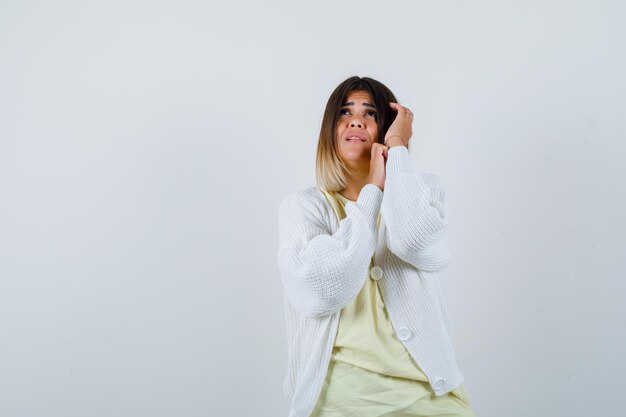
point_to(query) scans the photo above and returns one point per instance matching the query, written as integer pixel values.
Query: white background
(145, 146)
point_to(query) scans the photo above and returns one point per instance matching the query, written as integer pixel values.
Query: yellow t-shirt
(365, 336)
(371, 373)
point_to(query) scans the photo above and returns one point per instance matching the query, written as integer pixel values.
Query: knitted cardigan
(323, 265)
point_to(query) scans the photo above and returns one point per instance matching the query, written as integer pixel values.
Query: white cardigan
(324, 264)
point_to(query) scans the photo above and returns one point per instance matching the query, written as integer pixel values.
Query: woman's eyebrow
(351, 103)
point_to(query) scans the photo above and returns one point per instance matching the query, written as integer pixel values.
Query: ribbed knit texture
(324, 263)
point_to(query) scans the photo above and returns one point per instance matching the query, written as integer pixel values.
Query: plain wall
(145, 146)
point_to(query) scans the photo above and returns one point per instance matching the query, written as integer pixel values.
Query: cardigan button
(438, 384)
(404, 334)
(376, 272)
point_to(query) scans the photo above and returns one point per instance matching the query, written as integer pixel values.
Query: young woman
(359, 255)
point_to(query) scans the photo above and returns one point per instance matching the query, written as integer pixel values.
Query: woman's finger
(397, 107)
(402, 111)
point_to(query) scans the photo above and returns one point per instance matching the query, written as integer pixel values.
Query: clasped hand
(399, 134)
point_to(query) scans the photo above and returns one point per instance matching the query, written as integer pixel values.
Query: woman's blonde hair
(330, 170)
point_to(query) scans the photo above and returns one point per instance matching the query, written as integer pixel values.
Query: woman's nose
(356, 123)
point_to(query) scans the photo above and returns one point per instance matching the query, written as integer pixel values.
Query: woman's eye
(371, 113)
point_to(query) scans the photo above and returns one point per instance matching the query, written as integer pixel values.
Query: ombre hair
(330, 170)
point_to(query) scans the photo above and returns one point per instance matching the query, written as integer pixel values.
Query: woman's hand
(377, 165)
(401, 129)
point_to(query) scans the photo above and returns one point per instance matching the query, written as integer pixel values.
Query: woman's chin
(357, 155)
(357, 161)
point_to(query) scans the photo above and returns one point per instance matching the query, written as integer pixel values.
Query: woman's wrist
(394, 140)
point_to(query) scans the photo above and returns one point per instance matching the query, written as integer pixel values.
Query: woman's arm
(415, 211)
(322, 273)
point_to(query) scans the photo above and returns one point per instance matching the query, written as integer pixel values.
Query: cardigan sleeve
(323, 272)
(416, 213)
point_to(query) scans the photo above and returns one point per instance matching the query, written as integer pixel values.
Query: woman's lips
(355, 139)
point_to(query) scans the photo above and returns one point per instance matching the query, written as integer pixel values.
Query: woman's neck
(353, 187)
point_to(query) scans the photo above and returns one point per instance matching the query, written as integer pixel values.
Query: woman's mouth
(355, 139)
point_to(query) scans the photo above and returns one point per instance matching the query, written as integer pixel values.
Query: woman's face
(357, 129)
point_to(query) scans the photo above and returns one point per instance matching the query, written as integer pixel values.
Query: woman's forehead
(362, 98)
